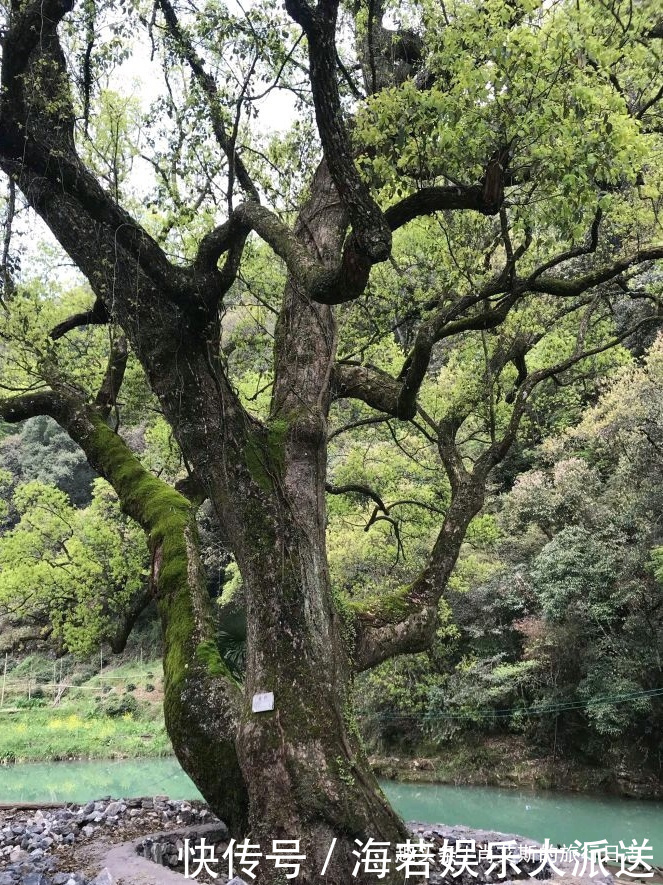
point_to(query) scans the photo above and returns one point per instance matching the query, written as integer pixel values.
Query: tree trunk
(307, 774)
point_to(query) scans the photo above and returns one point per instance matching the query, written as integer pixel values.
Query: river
(561, 817)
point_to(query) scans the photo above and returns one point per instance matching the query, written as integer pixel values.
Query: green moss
(232, 584)
(166, 516)
(191, 663)
(344, 771)
(158, 508)
(265, 453)
(352, 725)
(208, 653)
(390, 608)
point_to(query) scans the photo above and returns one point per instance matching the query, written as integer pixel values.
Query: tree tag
(264, 702)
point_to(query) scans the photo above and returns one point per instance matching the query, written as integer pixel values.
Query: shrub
(119, 706)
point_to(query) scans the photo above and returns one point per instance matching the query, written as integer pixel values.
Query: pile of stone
(441, 837)
(41, 847)
(31, 842)
(167, 849)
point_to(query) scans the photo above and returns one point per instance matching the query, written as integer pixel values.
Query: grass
(114, 715)
(51, 735)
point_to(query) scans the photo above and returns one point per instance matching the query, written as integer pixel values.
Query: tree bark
(307, 775)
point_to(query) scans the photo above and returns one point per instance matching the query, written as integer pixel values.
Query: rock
(114, 808)
(236, 881)
(104, 878)
(34, 879)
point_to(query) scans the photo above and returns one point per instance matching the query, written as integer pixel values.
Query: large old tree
(482, 172)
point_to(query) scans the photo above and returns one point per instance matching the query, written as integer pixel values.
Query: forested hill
(554, 624)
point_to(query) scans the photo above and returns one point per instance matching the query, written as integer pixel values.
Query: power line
(526, 711)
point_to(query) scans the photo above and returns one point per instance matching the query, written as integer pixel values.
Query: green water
(561, 818)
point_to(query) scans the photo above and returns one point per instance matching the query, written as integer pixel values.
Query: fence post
(4, 680)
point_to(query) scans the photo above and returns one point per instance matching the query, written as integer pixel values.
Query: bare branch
(362, 422)
(209, 88)
(357, 489)
(439, 199)
(370, 385)
(588, 249)
(568, 288)
(496, 452)
(29, 405)
(371, 233)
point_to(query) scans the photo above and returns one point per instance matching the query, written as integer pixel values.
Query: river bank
(68, 733)
(118, 715)
(515, 772)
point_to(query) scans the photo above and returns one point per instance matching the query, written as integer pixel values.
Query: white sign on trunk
(263, 702)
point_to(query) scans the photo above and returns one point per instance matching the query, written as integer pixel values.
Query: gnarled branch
(201, 698)
(97, 315)
(208, 85)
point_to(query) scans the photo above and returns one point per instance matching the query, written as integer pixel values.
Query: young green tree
(489, 178)
(79, 572)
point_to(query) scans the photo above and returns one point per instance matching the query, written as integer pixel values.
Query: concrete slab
(123, 866)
